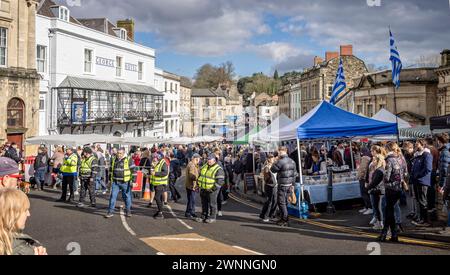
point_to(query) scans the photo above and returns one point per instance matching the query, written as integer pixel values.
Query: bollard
(330, 207)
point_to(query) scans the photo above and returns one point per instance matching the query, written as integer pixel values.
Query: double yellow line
(343, 229)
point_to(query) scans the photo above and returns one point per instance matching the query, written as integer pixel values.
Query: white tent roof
(386, 116)
(73, 140)
(278, 123)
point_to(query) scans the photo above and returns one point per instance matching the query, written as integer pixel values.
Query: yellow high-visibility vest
(70, 164)
(207, 179)
(156, 181)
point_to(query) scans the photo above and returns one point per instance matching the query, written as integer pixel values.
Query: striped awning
(110, 86)
(415, 133)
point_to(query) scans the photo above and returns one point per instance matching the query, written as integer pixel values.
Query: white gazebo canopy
(386, 116)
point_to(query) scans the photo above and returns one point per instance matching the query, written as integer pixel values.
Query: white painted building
(95, 79)
(169, 84)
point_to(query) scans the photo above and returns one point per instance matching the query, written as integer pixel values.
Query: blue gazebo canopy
(327, 121)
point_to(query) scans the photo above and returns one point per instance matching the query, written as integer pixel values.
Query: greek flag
(396, 63)
(339, 84)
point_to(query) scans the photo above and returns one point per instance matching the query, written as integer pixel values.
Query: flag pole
(396, 114)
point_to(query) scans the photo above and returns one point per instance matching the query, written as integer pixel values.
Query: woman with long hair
(393, 179)
(375, 189)
(15, 210)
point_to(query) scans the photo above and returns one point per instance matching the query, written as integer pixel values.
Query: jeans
(100, 183)
(397, 210)
(221, 197)
(282, 195)
(39, 176)
(270, 207)
(364, 194)
(125, 188)
(392, 199)
(76, 183)
(377, 203)
(190, 208)
(209, 204)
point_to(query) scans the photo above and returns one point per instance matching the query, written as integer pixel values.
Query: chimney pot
(331, 55)
(346, 50)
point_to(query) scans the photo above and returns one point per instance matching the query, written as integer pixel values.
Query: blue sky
(263, 35)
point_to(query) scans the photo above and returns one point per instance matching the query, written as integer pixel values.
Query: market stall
(328, 122)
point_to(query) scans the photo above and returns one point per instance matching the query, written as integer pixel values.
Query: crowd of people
(387, 173)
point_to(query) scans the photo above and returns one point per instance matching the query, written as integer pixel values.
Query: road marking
(177, 239)
(347, 230)
(160, 254)
(125, 224)
(248, 250)
(189, 244)
(175, 216)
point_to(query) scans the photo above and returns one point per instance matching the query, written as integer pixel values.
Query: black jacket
(376, 185)
(286, 171)
(175, 169)
(13, 154)
(41, 161)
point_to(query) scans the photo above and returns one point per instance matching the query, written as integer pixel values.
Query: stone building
(443, 73)
(19, 81)
(185, 105)
(316, 83)
(284, 100)
(211, 110)
(416, 97)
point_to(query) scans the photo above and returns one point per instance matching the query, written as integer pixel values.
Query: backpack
(395, 182)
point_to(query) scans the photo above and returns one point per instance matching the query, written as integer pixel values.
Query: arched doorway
(16, 121)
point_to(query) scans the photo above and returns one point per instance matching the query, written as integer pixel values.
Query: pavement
(351, 218)
(65, 229)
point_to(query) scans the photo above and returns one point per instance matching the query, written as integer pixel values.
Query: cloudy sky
(263, 35)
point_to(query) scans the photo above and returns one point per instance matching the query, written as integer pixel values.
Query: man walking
(211, 179)
(192, 174)
(159, 179)
(121, 167)
(88, 174)
(69, 172)
(286, 173)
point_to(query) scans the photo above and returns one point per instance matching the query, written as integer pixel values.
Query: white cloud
(276, 51)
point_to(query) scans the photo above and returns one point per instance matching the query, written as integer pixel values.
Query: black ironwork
(106, 107)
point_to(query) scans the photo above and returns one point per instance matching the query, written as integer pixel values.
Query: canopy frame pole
(300, 171)
(351, 155)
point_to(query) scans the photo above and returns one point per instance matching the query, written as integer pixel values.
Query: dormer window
(123, 34)
(64, 13)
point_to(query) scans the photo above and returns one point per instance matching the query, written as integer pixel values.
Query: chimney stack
(331, 55)
(128, 25)
(346, 50)
(445, 58)
(317, 60)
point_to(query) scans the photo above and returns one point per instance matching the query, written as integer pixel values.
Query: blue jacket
(444, 161)
(421, 169)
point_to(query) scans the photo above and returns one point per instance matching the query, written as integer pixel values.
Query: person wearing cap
(211, 179)
(159, 179)
(88, 174)
(9, 173)
(121, 172)
(192, 173)
(69, 171)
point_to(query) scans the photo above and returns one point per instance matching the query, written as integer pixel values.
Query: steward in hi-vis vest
(69, 172)
(211, 179)
(88, 173)
(122, 168)
(159, 179)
